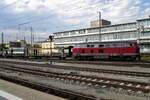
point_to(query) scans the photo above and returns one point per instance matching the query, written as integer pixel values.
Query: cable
(53, 9)
(39, 19)
(8, 5)
(22, 17)
(45, 18)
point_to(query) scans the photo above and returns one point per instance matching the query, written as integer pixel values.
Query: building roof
(143, 19)
(103, 26)
(95, 27)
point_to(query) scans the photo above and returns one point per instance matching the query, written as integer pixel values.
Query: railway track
(71, 95)
(87, 80)
(112, 63)
(97, 70)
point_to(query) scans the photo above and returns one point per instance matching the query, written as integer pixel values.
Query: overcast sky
(48, 16)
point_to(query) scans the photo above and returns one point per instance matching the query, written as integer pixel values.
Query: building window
(65, 34)
(92, 45)
(73, 33)
(93, 30)
(81, 31)
(115, 36)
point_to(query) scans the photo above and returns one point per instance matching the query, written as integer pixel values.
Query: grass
(145, 57)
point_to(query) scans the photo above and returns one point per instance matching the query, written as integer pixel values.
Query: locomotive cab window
(92, 45)
(131, 45)
(101, 45)
(88, 45)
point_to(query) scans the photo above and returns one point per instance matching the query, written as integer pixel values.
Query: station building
(48, 47)
(137, 31)
(44, 48)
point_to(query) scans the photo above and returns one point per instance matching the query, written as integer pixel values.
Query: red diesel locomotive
(127, 50)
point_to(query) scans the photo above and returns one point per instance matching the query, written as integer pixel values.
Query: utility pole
(17, 34)
(2, 45)
(25, 47)
(24, 38)
(33, 38)
(32, 51)
(31, 35)
(100, 25)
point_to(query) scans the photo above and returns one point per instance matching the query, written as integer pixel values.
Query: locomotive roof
(112, 42)
(109, 42)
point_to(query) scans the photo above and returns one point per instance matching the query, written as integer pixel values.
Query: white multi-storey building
(139, 31)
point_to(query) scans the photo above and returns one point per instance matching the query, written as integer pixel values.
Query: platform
(11, 91)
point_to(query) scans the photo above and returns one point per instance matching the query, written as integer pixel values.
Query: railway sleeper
(49, 89)
(88, 80)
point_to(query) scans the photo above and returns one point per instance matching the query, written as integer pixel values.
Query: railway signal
(51, 39)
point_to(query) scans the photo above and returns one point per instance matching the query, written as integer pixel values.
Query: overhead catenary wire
(10, 4)
(22, 17)
(27, 22)
(74, 9)
(39, 19)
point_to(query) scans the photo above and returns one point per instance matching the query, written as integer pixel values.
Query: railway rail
(103, 62)
(84, 79)
(97, 70)
(112, 63)
(71, 95)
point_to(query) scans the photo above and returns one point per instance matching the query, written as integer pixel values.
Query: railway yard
(75, 50)
(81, 80)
